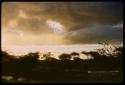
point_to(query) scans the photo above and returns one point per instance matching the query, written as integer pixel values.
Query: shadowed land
(104, 67)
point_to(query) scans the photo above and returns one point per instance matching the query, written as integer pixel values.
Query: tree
(74, 54)
(77, 59)
(65, 56)
(51, 59)
(6, 57)
(47, 55)
(31, 57)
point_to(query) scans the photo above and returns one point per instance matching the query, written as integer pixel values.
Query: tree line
(28, 66)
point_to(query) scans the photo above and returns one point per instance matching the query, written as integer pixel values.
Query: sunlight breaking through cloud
(55, 26)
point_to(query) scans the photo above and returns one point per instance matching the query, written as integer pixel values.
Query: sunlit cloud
(12, 23)
(22, 14)
(55, 26)
(63, 23)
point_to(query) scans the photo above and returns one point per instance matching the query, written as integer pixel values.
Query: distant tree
(94, 54)
(65, 56)
(6, 56)
(119, 51)
(47, 55)
(77, 59)
(31, 57)
(74, 54)
(86, 53)
(50, 59)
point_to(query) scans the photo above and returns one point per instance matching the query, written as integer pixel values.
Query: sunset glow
(36, 28)
(62, 42)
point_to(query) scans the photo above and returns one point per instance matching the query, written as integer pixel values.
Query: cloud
(55, 26)
(22, 14)
(73, 18)
(119, 26)
(96, 33)
(71, 14)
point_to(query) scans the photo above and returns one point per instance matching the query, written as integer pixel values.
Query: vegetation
(64, 69)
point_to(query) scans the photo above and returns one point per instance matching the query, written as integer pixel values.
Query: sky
(61, 23)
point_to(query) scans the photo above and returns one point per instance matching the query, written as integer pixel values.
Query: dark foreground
(71, 77)
(28, 69)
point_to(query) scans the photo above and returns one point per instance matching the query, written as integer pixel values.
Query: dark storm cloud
(75, 16)
(98, 33)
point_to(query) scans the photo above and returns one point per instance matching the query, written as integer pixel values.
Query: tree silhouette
(75, 55)
(50, 59)
(65, 56)
(47, 56)
(77, 59)
(51, 69)
(5, 56)
(31, 56)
